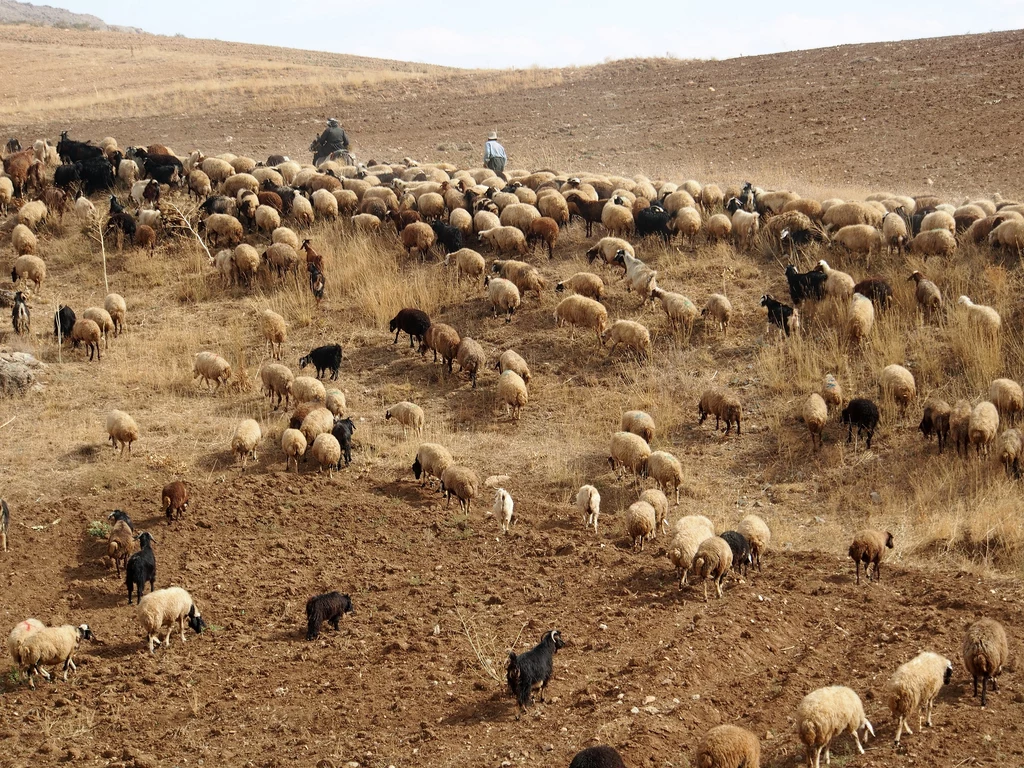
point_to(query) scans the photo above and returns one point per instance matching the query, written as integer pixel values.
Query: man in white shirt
(494, 154)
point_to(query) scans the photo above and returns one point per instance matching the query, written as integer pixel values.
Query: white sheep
(860, 317)
(688, 534)
(122, 431)
(246, 439)
(293, 443)
(824, 714)
(431, 462)
(325, 204)
(503, 295)
(50, 645)
(832, 392)
(859, 239)
(31, 268)
(983, 317)
(837, 284)
(934, 242)
(897, 382)
(327, 452)
(606, 249)
(335, 402)
(583, 283)
(211, 367)
(938, 220)
(504, 239)
(268, 219)
(468, 262)
(512, 393)
(641, 523)
(21, 630)
(757, 534)
(914, 684)
(588, 502)
(116, 308)
(409, 415)
(729, 746)
(631, 334)
(815, 414)
(32, 214)
(317, 421)
(985, 651)
(306, 389)
(1008, 398)
(23, 240)
(163, 608)
(894, 232)
(583, 312)
(665, 469)
(274, 330)
(277, 382)
(719, 309)
(629, 452)
(616, 218)
(983, 426)
(659, 501)
(718, 227)
(503, 509)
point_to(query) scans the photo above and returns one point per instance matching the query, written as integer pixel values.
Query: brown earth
(439, 596)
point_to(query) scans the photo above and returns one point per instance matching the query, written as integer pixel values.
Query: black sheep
(21, 318)
(325, 358)
(141, 567)
(806, 285)
(66, 175)
(449, 238)
(779, 314)
(118, 514)
(532, 669)
(342, 431)
(601, 756)
(327, 607)
(863, 414)
(741, 556)
(412, 321)
(876, 289)
(97, 175)
(653, 221)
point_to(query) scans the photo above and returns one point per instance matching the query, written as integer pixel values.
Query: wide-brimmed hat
(492, 135)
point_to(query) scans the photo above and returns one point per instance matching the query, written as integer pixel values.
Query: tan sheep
(293, 443)
(629, 452)
(211, 367)
(418, 237)
(581, 311)
(680, 310)
(306, 389)
(939, 220)
(274, 330)
(719, 309)
(89, 332)
(688, 533)
(30, 268)
(639, 423)
(916, 684)
(441, 339)
(512, 393)
(983, 426)
(103, 321)
(287, 236)
(869, 547)
(431, 461)
(898, 383)
(718, 227)
(606, 249)
(894, 233)
(859, 239)
(468, 262)
(721, 404)
(584, 284)
(985, 652)
(729, 746)
(815, 415)
(525, 276)
(335, 402)
(409, 415)
(713, 561)
(277, 382)
(926, 293)
(841, 215)
(115, 306)
(824, 714)
(505, 240)
(934, 242)
(223, 229)
(245, 261)
(503, 295)
(757, 534)
(23, 240)
(246, 439)
(1008, 398)
(511, 361)
(588, 503)
(838, 284)
(462, 483)
(327, 451)
(630, 334)
(832, 392)
(984, 318)
(641, 523)
(659, 501)
(665, 469)
(316, 422)
(122, 431)
(860, 318)
(471, 358)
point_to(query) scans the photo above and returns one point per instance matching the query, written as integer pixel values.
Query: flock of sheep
(441, 208)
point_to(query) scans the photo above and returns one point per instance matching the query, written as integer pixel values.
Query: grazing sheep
(418, 237)
(927, 294)
(983, 426)
(838, 284)
(688, 534)
(119, 542)
(122, 430)
(306, 389)
(103, 321)
(721, 404)
(639, 423)
(246, 439)
(411, 321)
(1008, 398)
(824, 714)
(274, 330)
(606, 249)
(335, 402)
(324, 358)
(863, 414)
(31, 268)
(277, 382)
(846, 214)
(23, 240)
(985, 651)
(503, 509)
(584, 284)
(211, 367)
(50, 645)
(630, 452)
(511, 361)
(934, 242)
(665, 469)
(757, 534)
(984, 318)
(331, 607)
(938, 220)
(88, 331)
(462, 483)
(815, 414)
(471, 358)
(894, 232)
(935, 420)
(512, 393)
(869, 547)
(503, 295)
(431, 461)
(174, 500)
(317, 421)
(631, 334)
(293, 443)
(898, 383)
(581, 311)
(914, 684)
(327, 451)
(441, 338)
(641, 523)
(468, 262)
(116, 308)
(1009, 450)
(859, 239)
(680, 310)
(21, 630)
(505, 240)
(729, 746)
(223, 229)
(588, 502)
(409, 415)
(719, 309)
(832, 392)
(163, 608)
(525, 277)
(959, 424)
(712, 560)
(533, 669)
(742, 558)
(860, 318)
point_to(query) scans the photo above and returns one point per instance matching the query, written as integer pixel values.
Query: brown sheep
(145, 237)
(869, 547)
(174, 500)
(544, 230)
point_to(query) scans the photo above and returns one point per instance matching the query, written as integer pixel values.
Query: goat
(781, 315)
(806, 285)
(63, 321)
(532, 669)
(141, 567)
(20, 317)
(325, 358)
(327, 607)
(342, 431)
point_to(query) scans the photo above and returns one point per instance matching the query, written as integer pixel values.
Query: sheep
(869, 547)
(23, 241)
(503, 509)
(503, 295)
(411, 321)
(713, 560)
(631, 334)
(140, 568)
(267, 219)
(815, 414)
(174, 500)
(616, 218)
(115, 306)
(324, 358)
(512, 393)
(211, 367)
(511, 361)
(293, 444)
(50, 645)
(894, 232)
(471, 358)
(505, 240)
(7, 194)
(584, 284)
(601, 756)
(277, 382)
(719, 309)
(897, 383)
(306, 389)
(330, 607)
(588, 503)
(409, 415)
(543, 230)
(863, 414)
(246, 439)
(845, 214)
(983, 426)
(121, 428)
(462, 483)
(31, 268)
(335, 402)
(216, 169)
(431, 461)
(443, 339)
(936, 420)
(985, 651)
(688, 534)
(32, 214)
(832, 392)
(1009, 234)
(824, 714)
(984, 318)
(533, 669)
(757, 534)
(641, 523)
(418, 237)
(525, 276)
(934, 242)
(938, 220)
(639, 423)
(665, 469)
(877, 289)
(681, 312)
(659, 502)
(914, 684)
(1007, 396)
(21, 630)
(859, 239)
(274, 330)
(723, 405)
(103, 321)
(838, 284)
(468, 262)
(860, 317)
(630, 452)
(606, 249)
(959, 423)
(119, 542)
(327, 451)
(729, 746)
(317, 421)
(581, 311)
(926, 293)
(89, 332)
(222, 228)
(1009, 450)
(163, 608)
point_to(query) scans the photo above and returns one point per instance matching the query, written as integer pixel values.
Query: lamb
(505, 240)
(687, 536)
(985, 651)
(293, 444)
(327, 451)
(140, 568)
(503, 509)
(869, 547)
(274, 330)
(601, 756)
(713, 561)
(741, 554)
(935, 420)
(23, 240)
(914, 684)
(723, 405)
(331, 607)
(163, 608)
(462, 483)
(631, 334)
(824, 714)
(512, 393)
(409, 415)
(21, 630)
(511, 361)
(277, 382)
(894, 232)
(665, 469)
(324, 358)
(927, 294)
(119, 542)
(471, 357)
(860, 318)
(983, 426)
(934, 242)
(859, 239)
(984, 318)
(503, 295)
(306, 389)
(174, 500)
(757, 533)
(641, 523)
(431, 461)
(411, 321)
(815, 414)
(121, 428)
(729, 746)
(838, 284)
(441, 337)
(897, 382)
(1008, 398)
(31, 268)
(583, 312)
(584, 284)
(533, 669)
(639, 423)
(718, 308)
(588, 502)
(50, 645)
(630, 452)
(246, 439)
(211, 367)
(115, 306)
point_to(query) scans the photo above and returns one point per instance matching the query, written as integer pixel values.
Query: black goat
(412, 321)
(287, 195)
(449, 238)
(165, 174)
(115, 205)
(653, 221)
(876, 289)
(806, 285)
(141, 567)
(276, 160)
(781, 315)
(151, 161)
(122, 222)
(327, 607)
(325, 358)
(67, 175)
(63, 321)
(532, 669)
(741, 555)
(12, 146)
(118, 514)
(97, 175)
(72, 151)
(342, 431)
(21, 318)
(218, 204)
(601, 756)
(862, 414)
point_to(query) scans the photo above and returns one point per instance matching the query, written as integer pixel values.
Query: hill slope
(13, 12)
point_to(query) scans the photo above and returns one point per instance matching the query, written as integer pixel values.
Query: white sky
(524, 33)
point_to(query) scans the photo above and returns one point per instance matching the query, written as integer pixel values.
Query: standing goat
(533, 669)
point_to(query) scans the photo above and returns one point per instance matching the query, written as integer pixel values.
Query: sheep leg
(984, 687)
(860, 747)
(858, 582)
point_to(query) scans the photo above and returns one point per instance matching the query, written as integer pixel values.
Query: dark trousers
(496, 164)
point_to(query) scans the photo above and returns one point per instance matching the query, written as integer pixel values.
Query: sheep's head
(555, 638)
(84, 633)
(417, 468)
(888, 540)
(196, 621)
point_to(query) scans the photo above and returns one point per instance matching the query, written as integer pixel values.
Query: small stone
(634, 711)
(650, 699)
(876, 497)
(603, 627)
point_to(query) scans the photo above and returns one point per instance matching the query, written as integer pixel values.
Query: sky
(526, 33)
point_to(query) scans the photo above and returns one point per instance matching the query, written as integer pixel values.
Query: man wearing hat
(333, 139)
(494, 154)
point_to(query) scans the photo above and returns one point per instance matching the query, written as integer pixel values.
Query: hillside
(13, 12)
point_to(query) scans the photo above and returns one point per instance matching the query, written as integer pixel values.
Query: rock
(145, 760)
